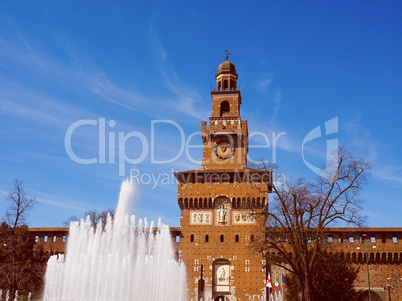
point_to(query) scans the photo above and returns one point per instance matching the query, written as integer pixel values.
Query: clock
(223, 150)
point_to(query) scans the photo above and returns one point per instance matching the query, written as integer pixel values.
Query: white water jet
(121, 262)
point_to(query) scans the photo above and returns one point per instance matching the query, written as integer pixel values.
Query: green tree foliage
(333, 280)
(22, 266)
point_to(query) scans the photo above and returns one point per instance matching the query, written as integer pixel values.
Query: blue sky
(300, 64)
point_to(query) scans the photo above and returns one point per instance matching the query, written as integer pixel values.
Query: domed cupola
(226, 67)
(226, 76)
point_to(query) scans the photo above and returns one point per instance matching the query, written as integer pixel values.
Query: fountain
(123, 261)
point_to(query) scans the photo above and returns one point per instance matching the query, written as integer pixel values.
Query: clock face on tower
(223, 150)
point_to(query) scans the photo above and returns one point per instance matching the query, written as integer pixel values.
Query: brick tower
(216, 202)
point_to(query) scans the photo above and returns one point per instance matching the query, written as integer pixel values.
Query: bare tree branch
(95, 217)
(300, 212)
(20, 205)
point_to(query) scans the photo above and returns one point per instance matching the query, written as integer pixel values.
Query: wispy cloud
(388, 173)
(30, 104)
(4, 193)
(187, 100)
(263, 84)
(80, 75)
(374, 151)
(57, 201)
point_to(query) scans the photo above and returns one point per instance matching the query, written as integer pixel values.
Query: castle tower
(216, 203)
(225, 142)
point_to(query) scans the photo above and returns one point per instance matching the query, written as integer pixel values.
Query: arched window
(222, 238)
(225, 108)
(221, 268)
(225, 85)
(237, 238)
(207, 238)
(192, 238)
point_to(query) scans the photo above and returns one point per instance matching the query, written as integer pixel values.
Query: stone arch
(225, 108)
(384, 257)
(221, 278)
(364, 296)
(225, 85)
(221, 200)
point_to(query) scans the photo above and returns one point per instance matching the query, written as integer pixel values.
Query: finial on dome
(227, 54)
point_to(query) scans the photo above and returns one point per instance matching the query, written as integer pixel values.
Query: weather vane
(227, 51)
(227, 54)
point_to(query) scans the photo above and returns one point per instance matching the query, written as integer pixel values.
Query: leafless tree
(299, 214)
(20, 205)
(94, 216)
